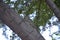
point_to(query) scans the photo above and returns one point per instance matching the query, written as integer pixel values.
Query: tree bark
(19, 25)
(54, 8)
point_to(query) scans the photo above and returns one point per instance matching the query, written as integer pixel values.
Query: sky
(2, 37)
(51, 30)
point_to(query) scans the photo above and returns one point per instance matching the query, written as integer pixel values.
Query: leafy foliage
(57, 2)
(27, 7)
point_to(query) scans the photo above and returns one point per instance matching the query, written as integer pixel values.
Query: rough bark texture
(54, 8)
(20, 26)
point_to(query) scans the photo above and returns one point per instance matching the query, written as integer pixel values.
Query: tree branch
(20, 26)
(54, 8)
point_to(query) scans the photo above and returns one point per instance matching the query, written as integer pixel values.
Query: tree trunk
(54, 8)
(19, 25)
